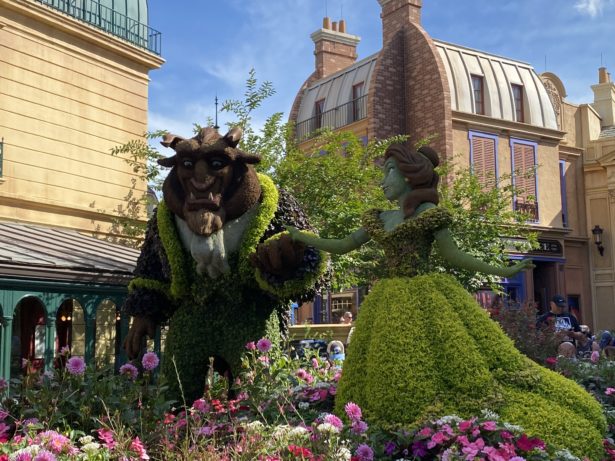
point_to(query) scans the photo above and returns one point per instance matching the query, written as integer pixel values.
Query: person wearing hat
(565, 325)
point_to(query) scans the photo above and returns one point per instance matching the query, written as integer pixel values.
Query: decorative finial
(216, 123)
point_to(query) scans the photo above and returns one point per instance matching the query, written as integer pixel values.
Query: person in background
(335, 352)
(565, 325)
(346, 318)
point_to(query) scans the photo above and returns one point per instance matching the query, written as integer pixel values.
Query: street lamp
(597, 231)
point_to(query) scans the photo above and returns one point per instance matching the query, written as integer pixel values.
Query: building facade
(74, 79)
(495, 115)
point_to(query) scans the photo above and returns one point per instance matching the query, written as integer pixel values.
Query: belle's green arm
(449, 250)
(335, 246)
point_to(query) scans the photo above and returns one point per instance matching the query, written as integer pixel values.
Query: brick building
(493, 113)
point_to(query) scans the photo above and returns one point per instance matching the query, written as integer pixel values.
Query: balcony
(110, 21)
(337, 117)
(529, 208)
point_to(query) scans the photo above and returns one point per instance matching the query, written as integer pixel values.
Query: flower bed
(278, 409)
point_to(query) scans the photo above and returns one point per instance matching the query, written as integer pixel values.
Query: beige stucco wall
(69, 94)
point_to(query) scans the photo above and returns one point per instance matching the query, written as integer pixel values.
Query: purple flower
(150, 361)
(44, 455)
(23, 457)
(263, 345)
(65, 350)
(389, 448)
(333, 420)
(251, 346)
(359, 427)
(353, 411)
(419, 449)
(364, 453)
(129, 370)
(75, 365)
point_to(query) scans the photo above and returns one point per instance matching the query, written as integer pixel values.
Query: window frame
(495, 138)
(519, 107)
(563, 192)
(479, 103)
(356, 108)
(534, 145)
(319, 110)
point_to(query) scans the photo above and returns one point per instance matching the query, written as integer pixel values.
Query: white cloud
(591, 7)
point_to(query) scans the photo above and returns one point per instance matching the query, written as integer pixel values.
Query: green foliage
(459, 362)
(484, 222)
(337, 181)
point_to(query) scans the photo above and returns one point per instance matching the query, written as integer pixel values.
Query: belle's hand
(516, 268)
(295, 233)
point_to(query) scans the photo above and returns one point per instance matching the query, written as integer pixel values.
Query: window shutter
(483, 159)
(525, 178)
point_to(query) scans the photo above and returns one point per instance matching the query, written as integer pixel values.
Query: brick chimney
(334, 48)
(396, 14)
(604, 98)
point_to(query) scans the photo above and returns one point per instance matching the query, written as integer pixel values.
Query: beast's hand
(141, 327)
(279, 257)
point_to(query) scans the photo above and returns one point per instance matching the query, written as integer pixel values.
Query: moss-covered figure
(217, 263)
(423, 347)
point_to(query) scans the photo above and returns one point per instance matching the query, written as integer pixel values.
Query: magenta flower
(75, 366)
(550, 361)
(263, 345)
(364, 453)
(150, 361)
(489, 425)
(201, 405)
(251, 346)
(23, 457)
(610, 391)
(333, 420)
(353, 411)
(437, 439)
(315, 363)
(137, 446)
(106, 436)
(128, 369)
(595, 357)
(44, 455)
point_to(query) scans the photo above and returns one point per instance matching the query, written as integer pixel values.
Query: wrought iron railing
(111, 21)
(337, 117)
(529, 208)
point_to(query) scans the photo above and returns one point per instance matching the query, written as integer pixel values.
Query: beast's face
(211, 181)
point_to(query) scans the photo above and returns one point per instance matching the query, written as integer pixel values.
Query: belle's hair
(418, 169)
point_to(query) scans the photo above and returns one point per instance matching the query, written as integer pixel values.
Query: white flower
(281, 432)
(86, 439)
(512, 428)
(343, 454)
(32, 450)
(327, 428)
(298, 432)
(303, 405)
(565, 455)
(449, 419)
(255, 426)
(91, 447)
(489, 414)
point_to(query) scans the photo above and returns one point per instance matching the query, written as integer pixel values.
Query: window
(483, 157)
(562, 184)
(479, 94)
(319, 108)
(517, 91)
(357, 101)
(339, 305)
(524, 177)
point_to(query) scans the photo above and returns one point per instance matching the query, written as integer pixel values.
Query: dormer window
(319, 108)
(478, 88)
(517, 92)
(357, 106)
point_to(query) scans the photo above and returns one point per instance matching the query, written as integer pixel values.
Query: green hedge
(423, 347)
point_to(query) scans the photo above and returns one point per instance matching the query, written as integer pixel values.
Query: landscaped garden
(278, 408)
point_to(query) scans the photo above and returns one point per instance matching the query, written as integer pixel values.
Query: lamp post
(597, 232)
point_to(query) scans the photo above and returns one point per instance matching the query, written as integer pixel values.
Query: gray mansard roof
(460, 64)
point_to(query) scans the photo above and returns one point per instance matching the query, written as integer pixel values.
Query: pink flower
(315, 363)
(65, 350)
(44, 455)
(353, 411)
(106, 436)
(610, 391)
(128, 369)
(489, 425)
(526, 444)
(364, 453)
(333, 420)
(426, 432)
(437, 439)
(595, 357)
(251, 346)
(337, 376)
(23, 457)
(201, 405)
(263, 345)
(264, 360)
(550, 361)
(465, 425)
(137, 446)
(150, 361)
(75, 366)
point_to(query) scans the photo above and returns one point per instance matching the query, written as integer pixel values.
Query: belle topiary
(423, 347)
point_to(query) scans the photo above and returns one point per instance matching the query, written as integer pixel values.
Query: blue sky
(209, 45)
